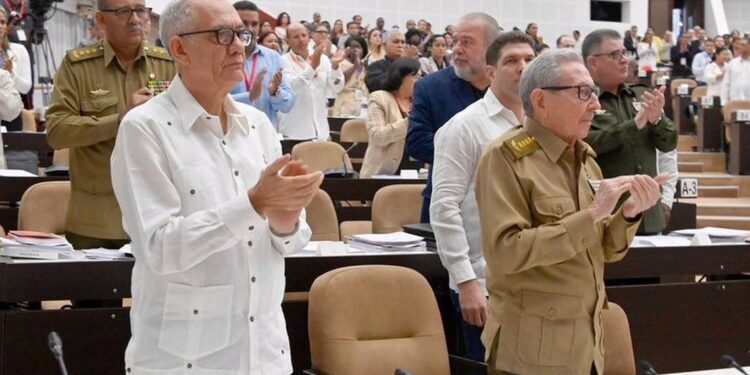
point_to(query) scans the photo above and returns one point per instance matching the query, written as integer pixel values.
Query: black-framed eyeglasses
(225, 36)
(126, 12)
(614, 55)
(584, 92)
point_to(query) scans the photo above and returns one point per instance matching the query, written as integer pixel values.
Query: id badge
(683, 61)
(21, 35)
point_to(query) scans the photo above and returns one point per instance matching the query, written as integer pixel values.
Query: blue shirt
(700, 62)
(270, 105)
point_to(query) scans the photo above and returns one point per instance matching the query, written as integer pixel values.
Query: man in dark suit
(395, 48)
(441, 95)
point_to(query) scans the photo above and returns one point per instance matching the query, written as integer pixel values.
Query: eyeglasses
(225, 36)
(126, 13)
(614, 55)
(584, 92)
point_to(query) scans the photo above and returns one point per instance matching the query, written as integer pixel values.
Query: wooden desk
(739, 149)
(25, 141)
(11, 191)
(683, 122)
(709, 127)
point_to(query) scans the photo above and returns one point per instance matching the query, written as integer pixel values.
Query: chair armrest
(465, 366)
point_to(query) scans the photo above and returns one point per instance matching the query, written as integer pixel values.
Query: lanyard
(21, 11)
(249, 79)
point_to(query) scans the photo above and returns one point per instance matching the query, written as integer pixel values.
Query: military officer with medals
(546, 230)
(94, 88)
(630, 127)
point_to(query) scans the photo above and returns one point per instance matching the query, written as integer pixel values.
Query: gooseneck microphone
(402, 372)
(647, 368)
(728, 361)
(55, 346)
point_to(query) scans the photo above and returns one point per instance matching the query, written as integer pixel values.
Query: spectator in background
(96, 34)
(682, 58)
(263, 86)
(320, 36)
(20, 30)
(357, 19)
(352, 29)
(647, 52)
(282, 23)
(311, 76)
(14, 59)
(532, 30)
(395, 47)
(736, 85)
(316, 18)
(631, 40)
(414, 39)
(271, 41)
(701, 61)
(565, 41)
(380, 26)
(337, 32)
(349, 100)
(719, 42)
(435, 55)
(665, 52)
(265, 27)
(411, 24)
(10, 106)
(388, 118)
(375, 46)
(714, 72)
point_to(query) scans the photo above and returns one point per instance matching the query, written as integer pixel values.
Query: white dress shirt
(666, 162)
(646, 55)
(308, 119)
(713, 70)
(453, 212)
(700, 62)
(209, 278)
(21, 67)
(736, 85)
(10, 100)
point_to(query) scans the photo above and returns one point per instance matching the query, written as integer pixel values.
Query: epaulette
(521, 145)
(151, 50)
(85, 53)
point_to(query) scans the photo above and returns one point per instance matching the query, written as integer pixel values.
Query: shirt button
(224, 142)
(286, 242)
(249, 243)
(169, 123)
(252, 319)
(282, 351)
(128, 369)
(559, 210)
(252, 279)
(195, 312)
(236, 173)
(251, 227)
(192, 191)
(253, 126)
(552, 312)
(189, 365)
(585, 242)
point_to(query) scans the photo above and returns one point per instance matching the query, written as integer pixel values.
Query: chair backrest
(675, 83)
(28, 120)
(61, 157)
(355, 130)
(734, 106)
(618, 346)
(321, 155)
(43, 207)
(321, 216)
(698, 93)
(396, 205)
(358, 323)
(2, 231)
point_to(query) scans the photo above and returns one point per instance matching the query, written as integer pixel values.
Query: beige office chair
(321, 216)
(28, 120)
(61, 157)
(675, 83)
(358, 323)
(698, 93)
(43, 207)
(729, 108)
(2, 231)
(354, 130)
(321, 155)
(618, 346)
(396, 205)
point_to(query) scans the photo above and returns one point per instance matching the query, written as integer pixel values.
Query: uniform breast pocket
(553, 208)
(96, 106)
(196, 187)
(196, 320)
(547, 328)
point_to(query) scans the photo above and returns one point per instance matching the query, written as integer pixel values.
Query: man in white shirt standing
(736, 84)
(702, 59)
(211, 208)
(458, 147)
(10, 106)
(310, 76)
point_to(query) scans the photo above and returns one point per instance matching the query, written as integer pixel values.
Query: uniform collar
(553, 146)
(109, 53)
(190, 110)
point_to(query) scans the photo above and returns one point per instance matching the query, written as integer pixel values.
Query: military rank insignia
(521, 145)
(155, 86)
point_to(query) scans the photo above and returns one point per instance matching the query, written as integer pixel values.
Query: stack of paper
(35, 245)
(397, 241)
(717, 235)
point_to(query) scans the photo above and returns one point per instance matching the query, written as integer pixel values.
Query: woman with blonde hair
(282, 23)
(377, 49)
(15, 60)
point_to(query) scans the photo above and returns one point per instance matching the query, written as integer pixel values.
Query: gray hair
(544, 71)
(593, 42)
(491, 27)
(176, 18)
(101, 4)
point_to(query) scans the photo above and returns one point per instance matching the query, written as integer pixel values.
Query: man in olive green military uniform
(548, 227)
(630, 128)
(94, 88)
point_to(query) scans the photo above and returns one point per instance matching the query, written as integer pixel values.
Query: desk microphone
(402, 372)
(342, 172)
(647, 368)
(728, 361)
(55, 346)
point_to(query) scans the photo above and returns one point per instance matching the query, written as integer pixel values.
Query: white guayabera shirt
(209, 278)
